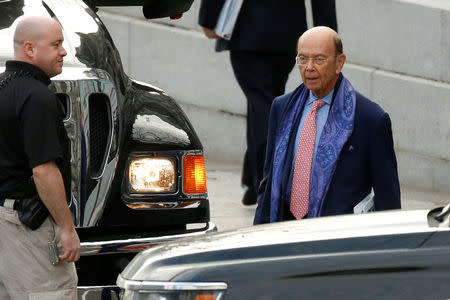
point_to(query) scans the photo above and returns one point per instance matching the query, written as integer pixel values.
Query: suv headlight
(163, 290)
(152, 175)
(179, 295)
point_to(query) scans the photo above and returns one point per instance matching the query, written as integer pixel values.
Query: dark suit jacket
(268, 25)
(367, 160)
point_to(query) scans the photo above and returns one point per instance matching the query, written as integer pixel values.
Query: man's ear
(340, 62)
(28, 49)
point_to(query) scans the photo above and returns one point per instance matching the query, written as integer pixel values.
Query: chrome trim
(69, 106)
(88, 208)
(190, 196)
(143, 286)
(164, 205)
(136, 245)
(111, 292)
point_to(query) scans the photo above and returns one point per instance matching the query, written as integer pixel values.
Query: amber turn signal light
(176, 17)
(205, 297)
(194, 179)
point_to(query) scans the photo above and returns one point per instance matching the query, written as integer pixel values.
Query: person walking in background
(35, 165)
(328, 145)
(262, 53)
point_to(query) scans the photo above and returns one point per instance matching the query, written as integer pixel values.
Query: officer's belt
(11, 203)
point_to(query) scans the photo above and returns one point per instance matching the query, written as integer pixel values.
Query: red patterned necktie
(303, 162)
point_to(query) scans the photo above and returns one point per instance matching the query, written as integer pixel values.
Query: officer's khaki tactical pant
(25, 268)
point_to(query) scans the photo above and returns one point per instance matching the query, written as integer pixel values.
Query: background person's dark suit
(366, 161)
(262, 53)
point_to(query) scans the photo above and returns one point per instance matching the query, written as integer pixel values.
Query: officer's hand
(71, 245)
(210, 33)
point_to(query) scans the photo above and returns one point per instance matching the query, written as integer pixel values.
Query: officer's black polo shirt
(31, 130)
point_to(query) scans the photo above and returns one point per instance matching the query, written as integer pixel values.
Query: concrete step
(227, 211)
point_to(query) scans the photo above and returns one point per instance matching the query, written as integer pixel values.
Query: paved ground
(225, 194)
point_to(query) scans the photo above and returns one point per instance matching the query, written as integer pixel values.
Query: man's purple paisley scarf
(337, 130)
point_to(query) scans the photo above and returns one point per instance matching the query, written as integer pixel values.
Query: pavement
(225, 194)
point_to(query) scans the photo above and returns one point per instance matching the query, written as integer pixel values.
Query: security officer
(34, 158)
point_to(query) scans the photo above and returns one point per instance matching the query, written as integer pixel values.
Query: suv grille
(99, 132)
(65, 102)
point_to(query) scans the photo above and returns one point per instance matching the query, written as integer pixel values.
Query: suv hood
(171, 256)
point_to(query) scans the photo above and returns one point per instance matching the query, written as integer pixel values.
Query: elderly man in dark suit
(328, 146)
(262, 53)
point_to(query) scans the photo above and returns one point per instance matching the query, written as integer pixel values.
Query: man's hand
(211, 34)
(71, 245)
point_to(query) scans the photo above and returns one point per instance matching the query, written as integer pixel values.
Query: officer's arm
(50, 186)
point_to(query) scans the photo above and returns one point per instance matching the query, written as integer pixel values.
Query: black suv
(138, 171)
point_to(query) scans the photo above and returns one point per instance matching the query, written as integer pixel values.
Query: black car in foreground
(138, 171)
(379, 255)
